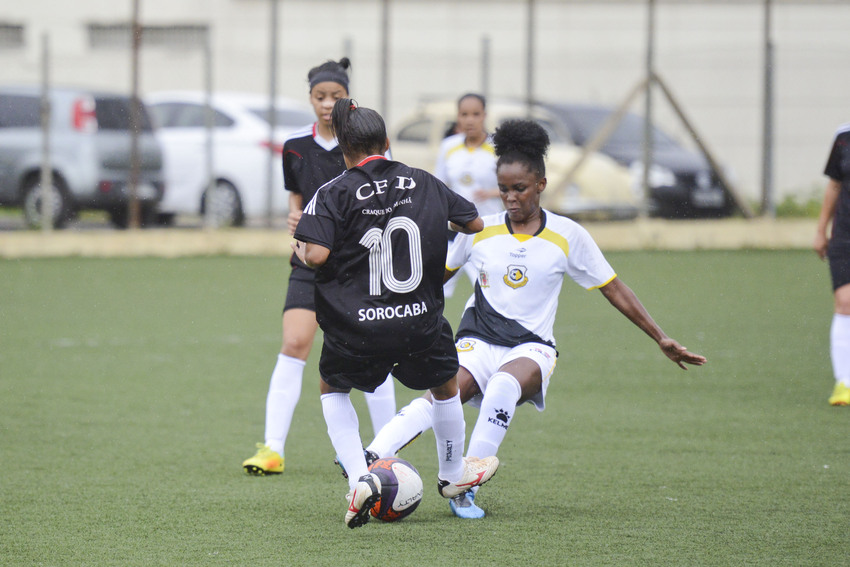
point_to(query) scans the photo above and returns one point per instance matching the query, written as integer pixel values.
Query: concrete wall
(710, 54)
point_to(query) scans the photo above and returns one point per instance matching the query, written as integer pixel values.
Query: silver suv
(89, 150)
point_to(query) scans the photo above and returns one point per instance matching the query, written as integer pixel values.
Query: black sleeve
(461, 211)
(290, 179)
(833, 164)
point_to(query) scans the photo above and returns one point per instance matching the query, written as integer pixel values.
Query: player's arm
(473, 226)
(624, 299)
(296, 206)
(314, 255)
(827, 212)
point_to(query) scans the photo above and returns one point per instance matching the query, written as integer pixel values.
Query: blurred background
(761, 83)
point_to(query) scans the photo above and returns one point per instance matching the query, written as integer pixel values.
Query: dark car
(90, 147)
(682, 184)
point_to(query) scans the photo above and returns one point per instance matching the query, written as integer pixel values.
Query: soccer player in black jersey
(376, 236)
(311, 157)
(834, 244)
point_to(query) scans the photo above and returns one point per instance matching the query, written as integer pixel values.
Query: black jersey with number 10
(380, 291)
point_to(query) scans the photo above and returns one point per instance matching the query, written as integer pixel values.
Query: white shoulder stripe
(310, 209)
(842, 129)
(300, 133)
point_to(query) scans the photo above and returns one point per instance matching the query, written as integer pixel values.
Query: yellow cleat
(264, 462)
(840, 395)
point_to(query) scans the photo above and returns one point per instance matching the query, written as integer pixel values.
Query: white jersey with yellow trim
(466, 170)
(520, 277)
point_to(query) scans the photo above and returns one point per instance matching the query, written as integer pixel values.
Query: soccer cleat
(366, 494)
(475, 473)
(264, 462)
(463, 506)
(371, 457)
(840, 395)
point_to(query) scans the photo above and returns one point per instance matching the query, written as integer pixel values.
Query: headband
(336, 76)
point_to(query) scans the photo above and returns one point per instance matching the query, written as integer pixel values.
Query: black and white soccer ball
(401, 489)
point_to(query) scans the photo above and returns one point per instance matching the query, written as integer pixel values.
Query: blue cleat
(463, 506)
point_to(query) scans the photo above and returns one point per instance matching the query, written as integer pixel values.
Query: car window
(187, 115)
(113, 113)
(163, 114)
(417, 132)
(18, 111)
(285, 117)
(551, 128)
(586, 122)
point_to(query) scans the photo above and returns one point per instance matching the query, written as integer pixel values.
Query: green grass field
(132, 389)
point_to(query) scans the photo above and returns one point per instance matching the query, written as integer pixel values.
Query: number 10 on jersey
(381, 260)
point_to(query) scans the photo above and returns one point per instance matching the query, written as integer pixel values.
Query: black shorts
(301, 293)
(420, 371)
(839, 262)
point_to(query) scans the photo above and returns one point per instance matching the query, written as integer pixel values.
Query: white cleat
(366, 494)
(475, 473)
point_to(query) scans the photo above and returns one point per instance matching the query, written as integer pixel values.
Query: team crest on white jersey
(516, 276)
(465, 345)
(483, 278)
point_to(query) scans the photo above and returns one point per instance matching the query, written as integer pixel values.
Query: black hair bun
(521, 136)
(345, 63)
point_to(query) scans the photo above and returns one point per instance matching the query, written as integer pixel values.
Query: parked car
(240, 142)
(601, 187)
(89, 153)
(682, 184)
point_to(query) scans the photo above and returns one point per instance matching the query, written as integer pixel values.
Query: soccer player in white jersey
(376, 237)
(466, 163)
(505, 340)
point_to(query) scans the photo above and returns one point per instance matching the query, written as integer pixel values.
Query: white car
(240, 163)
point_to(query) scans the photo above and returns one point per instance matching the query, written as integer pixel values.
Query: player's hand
(292, 220)
(820, 245)
(679, 354)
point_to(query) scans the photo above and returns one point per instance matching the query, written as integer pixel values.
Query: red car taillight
(83, 117)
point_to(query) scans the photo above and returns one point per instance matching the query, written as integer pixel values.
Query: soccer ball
(401, 489)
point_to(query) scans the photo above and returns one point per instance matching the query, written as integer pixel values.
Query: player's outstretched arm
(624, 299)
(471, 227)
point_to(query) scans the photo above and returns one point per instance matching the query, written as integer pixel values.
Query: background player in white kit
(505, 340)
(376, 236)
(466, 162)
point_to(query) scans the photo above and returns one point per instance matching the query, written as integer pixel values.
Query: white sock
(381, 404)
(284, 391)
(450, 431)
(344, 431)
(497, 409)
(839, 342)
(410, 421)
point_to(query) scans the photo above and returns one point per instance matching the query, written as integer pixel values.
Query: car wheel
(32, 202)
(222, 205)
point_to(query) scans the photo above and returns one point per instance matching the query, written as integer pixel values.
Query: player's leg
(299, 328)
(839, 338)
(415, 418)
(516, 380)
(381, 404)
(339, 374)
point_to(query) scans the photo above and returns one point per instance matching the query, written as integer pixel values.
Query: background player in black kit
(835, 245)
(311, 157)
(376, 236)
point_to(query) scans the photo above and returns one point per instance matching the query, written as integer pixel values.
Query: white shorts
(482, 360)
